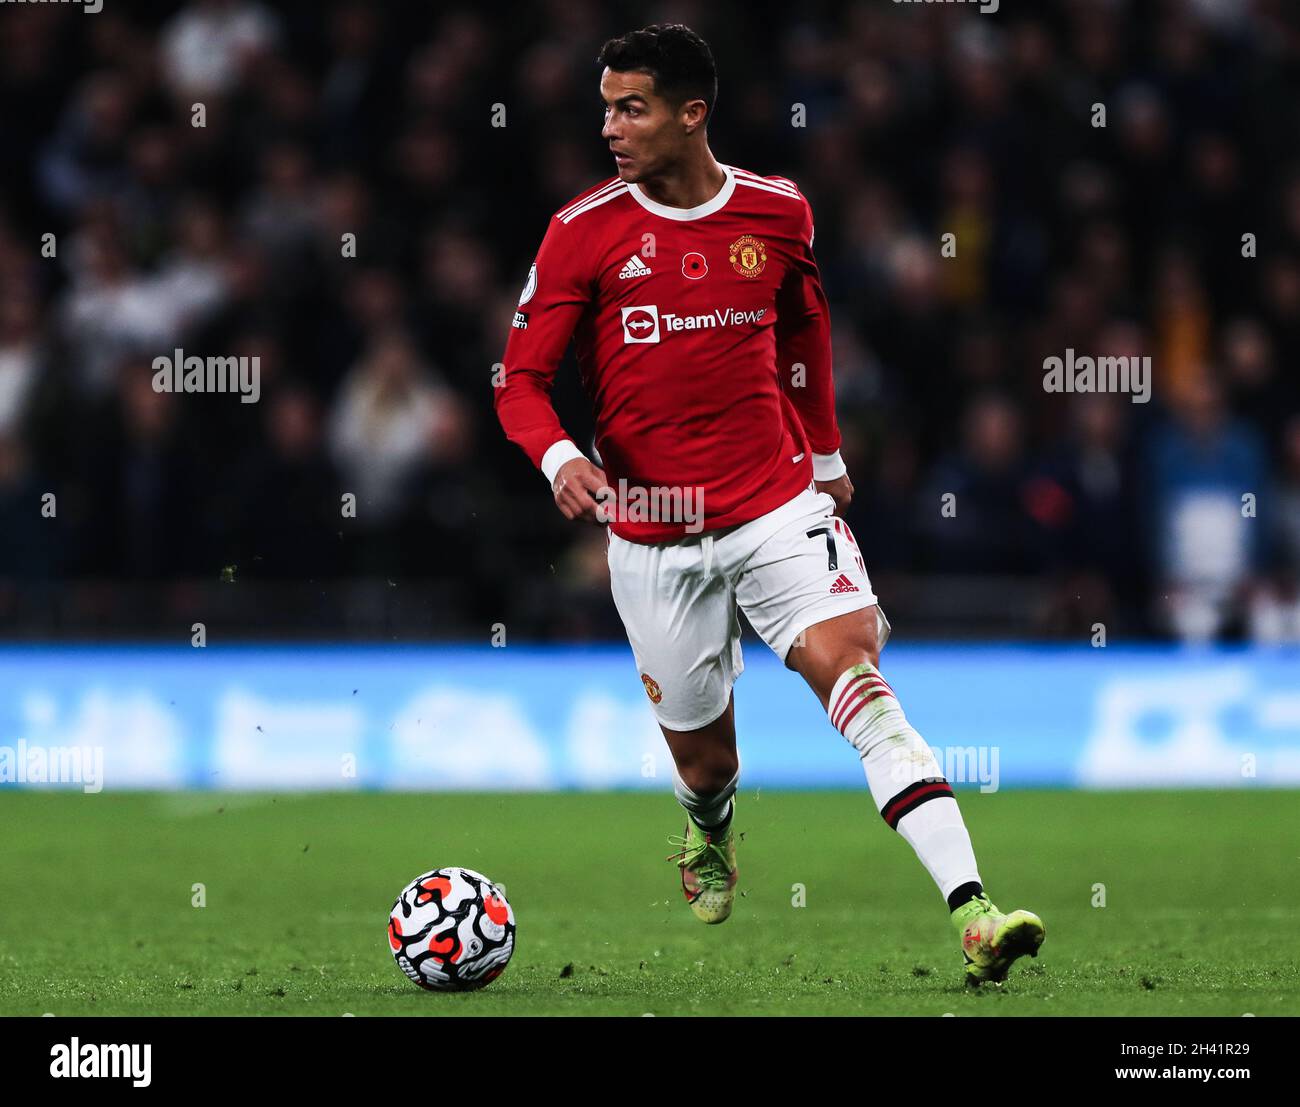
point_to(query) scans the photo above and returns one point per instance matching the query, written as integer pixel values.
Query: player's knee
(855, 654)
(709, 776)
(871, 639)
(835, 646)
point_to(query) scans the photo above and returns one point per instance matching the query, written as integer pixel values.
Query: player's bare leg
(840, 660)
(706, 760)
(707, 771)
(823, 651)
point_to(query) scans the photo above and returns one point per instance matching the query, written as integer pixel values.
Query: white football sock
(906, 781)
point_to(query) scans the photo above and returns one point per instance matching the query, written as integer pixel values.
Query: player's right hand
(575, 488)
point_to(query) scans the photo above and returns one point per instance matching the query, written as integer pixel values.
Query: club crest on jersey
(651, 688)
(748, 256)
(641, 323)
(694, 266)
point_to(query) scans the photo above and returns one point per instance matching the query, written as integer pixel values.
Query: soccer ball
(451, 930)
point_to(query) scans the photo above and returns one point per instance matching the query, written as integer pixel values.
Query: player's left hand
(840, 490)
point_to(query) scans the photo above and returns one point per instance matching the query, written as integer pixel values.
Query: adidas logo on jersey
(634, 267)
(843, 584)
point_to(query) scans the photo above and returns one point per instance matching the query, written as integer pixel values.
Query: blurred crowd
(1173, 231)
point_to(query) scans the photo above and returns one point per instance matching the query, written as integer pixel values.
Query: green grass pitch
(96, 916)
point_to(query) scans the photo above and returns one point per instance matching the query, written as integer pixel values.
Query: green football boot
(708, 863)
(991, 941)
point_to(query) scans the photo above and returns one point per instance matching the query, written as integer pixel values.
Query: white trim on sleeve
(556, 456)
(827, 466)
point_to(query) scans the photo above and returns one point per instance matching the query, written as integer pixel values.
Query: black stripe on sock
(717, 828)
(964, 893)
(911, 797)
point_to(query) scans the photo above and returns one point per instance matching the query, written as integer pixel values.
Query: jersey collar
(698, 212)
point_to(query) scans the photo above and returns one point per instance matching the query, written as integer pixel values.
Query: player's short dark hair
(675, 56)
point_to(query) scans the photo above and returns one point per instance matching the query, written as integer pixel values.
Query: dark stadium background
(375, 119)
(234, 723)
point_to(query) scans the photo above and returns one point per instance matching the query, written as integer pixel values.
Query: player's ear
(694, 115)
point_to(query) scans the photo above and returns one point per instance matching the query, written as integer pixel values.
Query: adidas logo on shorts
(843, 584)
(634, 267)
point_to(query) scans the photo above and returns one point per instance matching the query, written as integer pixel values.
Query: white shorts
(793, 567)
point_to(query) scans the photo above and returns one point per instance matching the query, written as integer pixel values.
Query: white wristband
(556, 456)
(828, 466)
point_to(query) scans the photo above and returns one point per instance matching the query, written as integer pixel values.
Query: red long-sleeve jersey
(702, 337)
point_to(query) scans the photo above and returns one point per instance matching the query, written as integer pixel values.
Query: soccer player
(703, 339)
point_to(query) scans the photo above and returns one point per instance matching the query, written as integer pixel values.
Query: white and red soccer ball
(452, 930)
